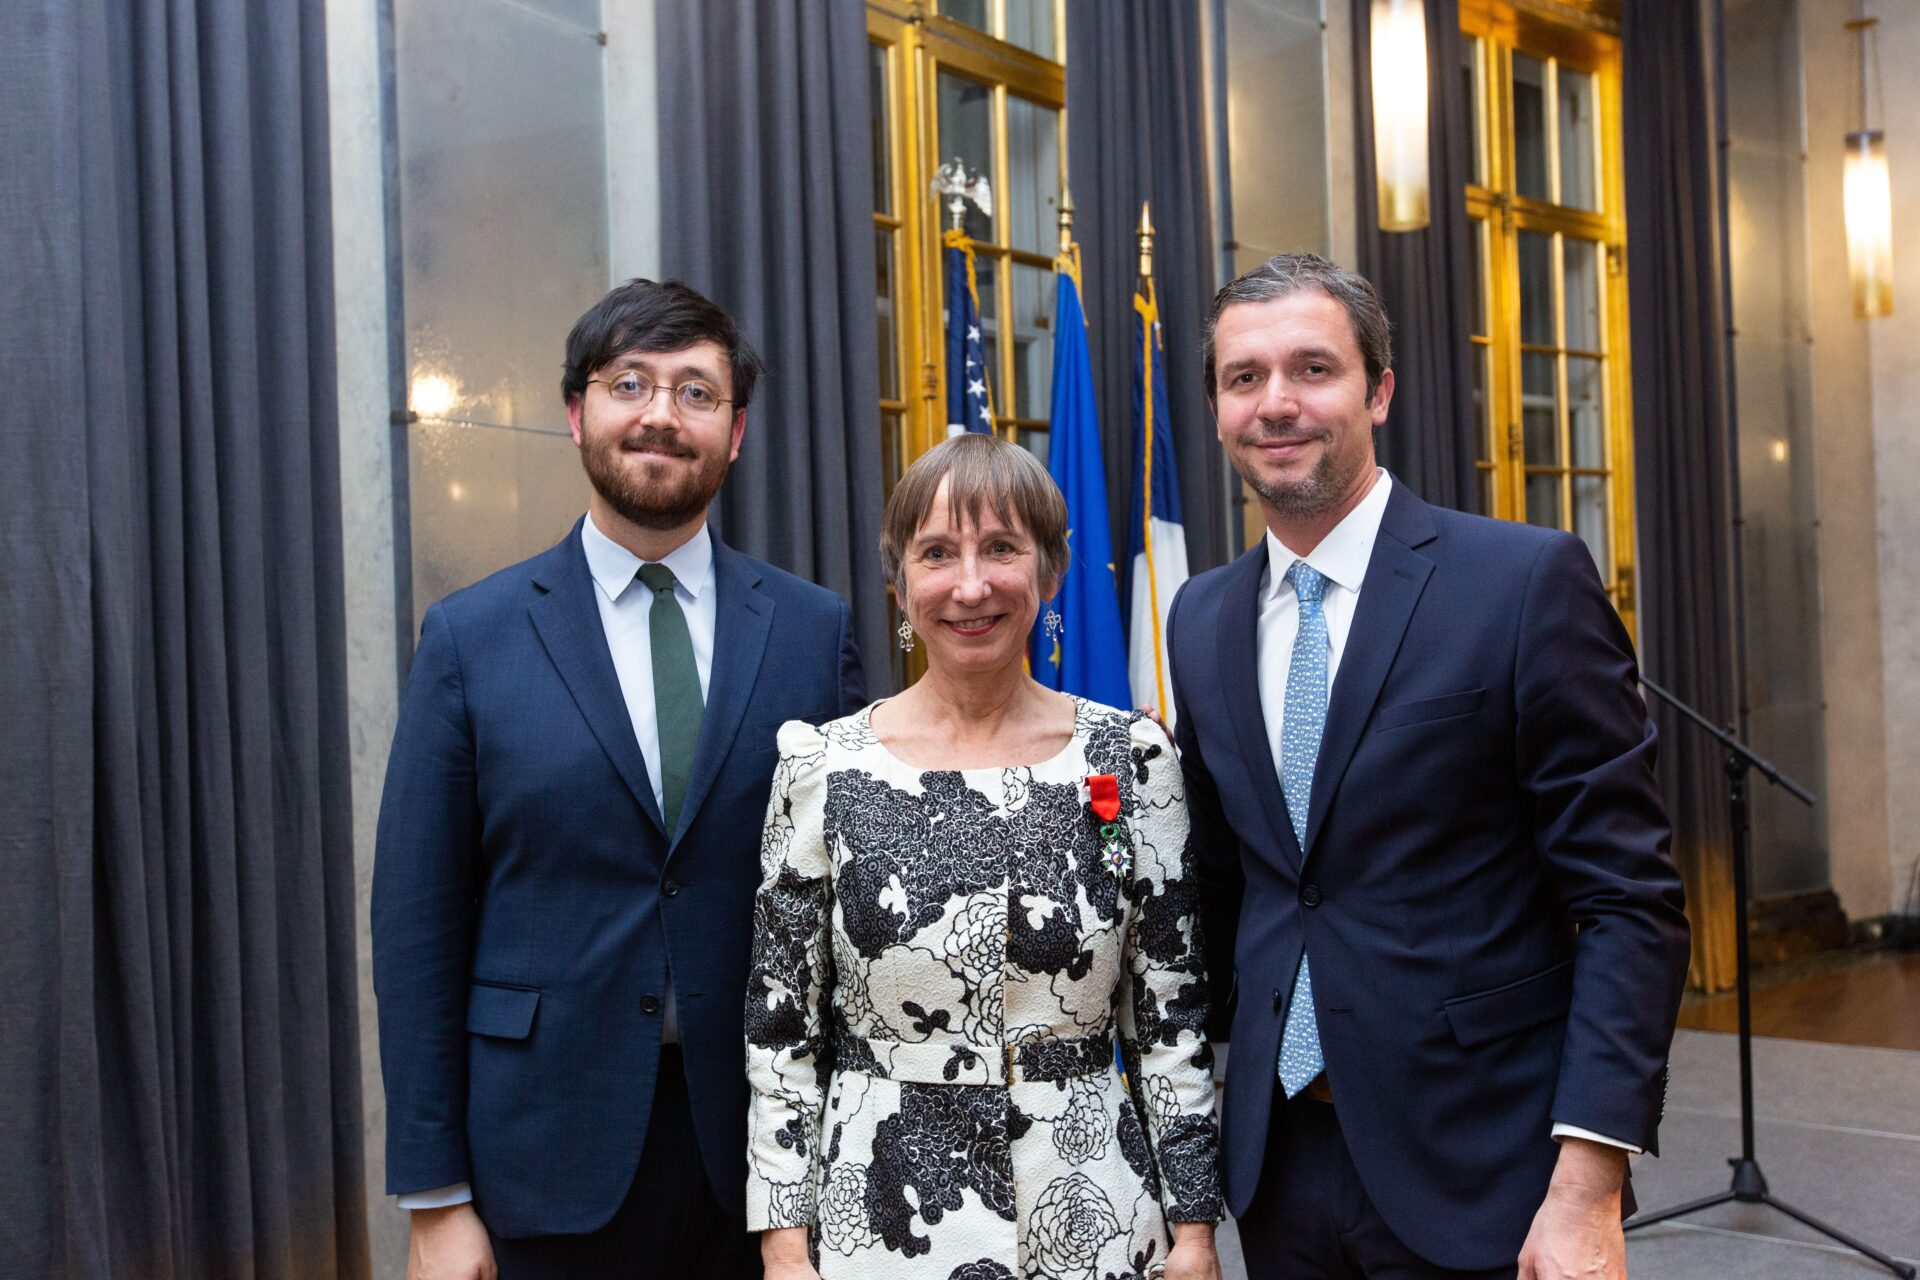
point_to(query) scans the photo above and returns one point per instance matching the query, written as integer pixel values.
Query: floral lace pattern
(920, 932)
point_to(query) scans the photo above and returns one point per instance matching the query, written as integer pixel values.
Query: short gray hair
(1286, 273)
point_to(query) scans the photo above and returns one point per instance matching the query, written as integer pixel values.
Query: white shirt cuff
(1574, 1131)
(438, 1198)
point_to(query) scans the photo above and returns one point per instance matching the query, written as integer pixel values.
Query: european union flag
(1156, 538)
(1090, 657)
(969, 406)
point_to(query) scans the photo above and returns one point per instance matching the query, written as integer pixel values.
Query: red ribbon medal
(1103, 793)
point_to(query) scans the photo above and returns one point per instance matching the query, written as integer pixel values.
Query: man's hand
(449, 1244)
(783, 1252)
(1192, 1256)
(1576, 1234)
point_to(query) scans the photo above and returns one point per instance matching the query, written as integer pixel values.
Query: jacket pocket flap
(1447, 704)
(1488, 1015)
(506, 1012)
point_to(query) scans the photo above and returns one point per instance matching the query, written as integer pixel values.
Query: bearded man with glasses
(569, 841)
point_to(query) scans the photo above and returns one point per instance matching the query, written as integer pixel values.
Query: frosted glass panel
(1276, 128)
(584, 14)
(483, 498)
(503, 205)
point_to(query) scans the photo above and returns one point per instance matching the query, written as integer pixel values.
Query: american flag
(969, 403)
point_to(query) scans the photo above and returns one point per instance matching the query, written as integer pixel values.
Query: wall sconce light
(1868, 194)
(1400, 113)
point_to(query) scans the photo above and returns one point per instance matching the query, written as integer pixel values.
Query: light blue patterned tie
(1303, 718)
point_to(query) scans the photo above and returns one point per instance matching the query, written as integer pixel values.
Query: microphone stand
(1749, 1184)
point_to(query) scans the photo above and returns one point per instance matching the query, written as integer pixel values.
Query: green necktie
(678, 704)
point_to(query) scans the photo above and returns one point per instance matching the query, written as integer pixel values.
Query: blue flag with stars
(1090, 656)
(969, 406)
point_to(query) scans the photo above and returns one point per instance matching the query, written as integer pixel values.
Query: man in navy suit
(569, 841)
(1440, 906)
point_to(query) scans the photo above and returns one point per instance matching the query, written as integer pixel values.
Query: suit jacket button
(1279, 999)
(1310, 895)
(670, 888)
(649, 1004)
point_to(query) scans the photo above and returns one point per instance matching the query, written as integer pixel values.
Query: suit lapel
(742, 619)
(1396, 575)
(1238, 670)
(568, 622)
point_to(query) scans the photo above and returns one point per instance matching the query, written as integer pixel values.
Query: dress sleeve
(788, 987)
(1163, 999)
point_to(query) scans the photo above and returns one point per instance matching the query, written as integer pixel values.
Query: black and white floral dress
(943, 960)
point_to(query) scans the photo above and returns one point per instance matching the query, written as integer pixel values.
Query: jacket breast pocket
(1488, 1015)
(505, 1013)
(1444, 707)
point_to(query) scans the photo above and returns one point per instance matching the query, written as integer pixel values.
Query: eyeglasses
(695, 399)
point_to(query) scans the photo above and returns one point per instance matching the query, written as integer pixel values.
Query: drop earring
(1053, 623)
(905, 632)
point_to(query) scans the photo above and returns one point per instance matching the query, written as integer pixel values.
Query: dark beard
(659, 504)
(1318, 494)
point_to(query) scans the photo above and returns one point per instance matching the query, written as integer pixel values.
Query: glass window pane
(1579, 154)
(1480, 233)
(1481, 411)
(1586, 425)
(1530, 127)
(986, 274)
(880, 111)
(1033, 172)
(1470, 75)
(1543, 501)
(1032, 342)
(888, 314)
(966, 133)
(1486, 491)
(892, 451)
(1536, 288)
(1590, 520)
(1539, 404)
(972, 12)
(1583, 259)
(1035, 442)
(1030, 26)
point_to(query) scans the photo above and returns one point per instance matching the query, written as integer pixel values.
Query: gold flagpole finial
(1146, 242)
(1066, 221)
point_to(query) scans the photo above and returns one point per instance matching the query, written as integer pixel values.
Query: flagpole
(1149, 318)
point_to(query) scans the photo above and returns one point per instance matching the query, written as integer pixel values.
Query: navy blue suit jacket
(1496, 926)
(527, 899)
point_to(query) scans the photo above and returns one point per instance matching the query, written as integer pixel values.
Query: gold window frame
(1581, 36)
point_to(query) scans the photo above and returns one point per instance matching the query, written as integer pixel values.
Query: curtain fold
(1425, 277)
(1136, 130)
(181, 1064)
(767, 207)
(1682, 481)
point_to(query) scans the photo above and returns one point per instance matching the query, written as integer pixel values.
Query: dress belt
(962, 1062)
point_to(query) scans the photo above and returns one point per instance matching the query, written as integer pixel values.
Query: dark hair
(1286, 273)
(981, 471)
(642, 315)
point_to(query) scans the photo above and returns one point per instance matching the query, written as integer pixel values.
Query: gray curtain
(1136, 130)
(1680, 445)
(1425, 277)
(767, 207)
(179, 1073)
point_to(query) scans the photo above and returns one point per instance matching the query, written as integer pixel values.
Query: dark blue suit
(1495, 924)
(527, 900)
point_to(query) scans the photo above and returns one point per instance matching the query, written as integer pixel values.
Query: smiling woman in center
(970, 894)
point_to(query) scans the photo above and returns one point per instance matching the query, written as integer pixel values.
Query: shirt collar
(613, 566)
(1342, 555)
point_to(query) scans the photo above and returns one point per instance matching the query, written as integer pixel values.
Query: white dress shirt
(625, 606)
(1341, 558)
